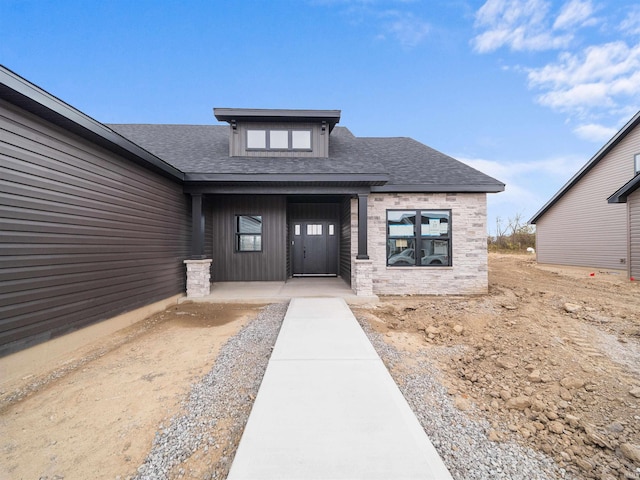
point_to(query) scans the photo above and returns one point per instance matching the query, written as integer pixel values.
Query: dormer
(278, 133)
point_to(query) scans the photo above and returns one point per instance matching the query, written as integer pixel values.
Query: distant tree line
(513, 235)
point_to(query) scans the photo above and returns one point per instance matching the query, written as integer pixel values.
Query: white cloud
(593, 85)
(631, 24)
(555, 166)
(521, 25)
(408, 29)
(594, 78)
(595, 133)
(396, 23)
(576, 13)
(529, 185)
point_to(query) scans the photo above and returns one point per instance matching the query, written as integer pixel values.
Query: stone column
(363, 278)
(198, 278)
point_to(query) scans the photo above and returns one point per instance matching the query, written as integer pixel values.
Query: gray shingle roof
(205, 149)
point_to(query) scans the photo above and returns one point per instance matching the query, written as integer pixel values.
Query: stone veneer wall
(468, 273)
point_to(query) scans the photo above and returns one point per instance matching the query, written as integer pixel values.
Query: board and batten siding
(229, 265)
(582, 229)
(85, 234)
(633, 204)
(319, 140)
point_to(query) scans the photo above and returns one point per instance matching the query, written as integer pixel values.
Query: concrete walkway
(329, 409)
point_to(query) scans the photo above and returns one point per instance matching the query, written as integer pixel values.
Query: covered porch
(288, 211)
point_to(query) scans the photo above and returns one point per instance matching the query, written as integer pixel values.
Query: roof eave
(627, 189)
(24, 94)
(332, 117)
(440, 188)
(369, 179)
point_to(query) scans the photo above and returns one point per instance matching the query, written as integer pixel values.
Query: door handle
(304, 252)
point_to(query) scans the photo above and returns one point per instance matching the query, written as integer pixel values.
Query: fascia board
(22, 93)
(440, 188)
(627, 189)
(368, 179)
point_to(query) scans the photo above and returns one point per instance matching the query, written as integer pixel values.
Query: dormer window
(278, 133)
(278, 139)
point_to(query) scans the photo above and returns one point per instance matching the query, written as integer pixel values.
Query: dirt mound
(551, 357)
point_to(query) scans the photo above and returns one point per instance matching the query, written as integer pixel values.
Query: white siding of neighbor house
(582, 228)
(467, 275)
(633, 204)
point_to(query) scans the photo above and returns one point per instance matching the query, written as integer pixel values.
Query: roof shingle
(205, 149)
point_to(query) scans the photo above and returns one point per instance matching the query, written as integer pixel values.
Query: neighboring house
(97, 219)
(587, 222)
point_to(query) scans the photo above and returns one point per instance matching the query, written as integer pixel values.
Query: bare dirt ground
(96, 413)
(551, 358)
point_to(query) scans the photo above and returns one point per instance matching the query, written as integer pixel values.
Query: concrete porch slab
(261, 292)
(329, 409)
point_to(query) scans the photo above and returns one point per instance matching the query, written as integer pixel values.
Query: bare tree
(516, 235)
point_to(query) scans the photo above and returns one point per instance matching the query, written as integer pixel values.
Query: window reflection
(418, 237)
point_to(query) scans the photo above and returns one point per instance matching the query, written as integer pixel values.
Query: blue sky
(524, 90)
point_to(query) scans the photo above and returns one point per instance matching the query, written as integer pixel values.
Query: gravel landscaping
(224, 396)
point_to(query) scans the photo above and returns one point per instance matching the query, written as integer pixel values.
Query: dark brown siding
(345, 240)
(268, 265)
(314, 211)
(85, 234)
(207, 211)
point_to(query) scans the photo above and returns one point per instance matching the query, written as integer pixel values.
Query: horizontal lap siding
(582, 228)
(85, 235)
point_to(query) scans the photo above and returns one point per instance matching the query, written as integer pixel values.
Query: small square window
(301, 140)
(248, 233)
(279, 139)
(257, 139)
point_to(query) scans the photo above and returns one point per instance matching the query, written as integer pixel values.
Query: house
(101, 219)
(594, 220)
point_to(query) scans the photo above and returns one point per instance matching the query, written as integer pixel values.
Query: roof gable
(601, 154)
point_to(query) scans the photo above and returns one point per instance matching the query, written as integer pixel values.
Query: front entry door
(314, 246)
